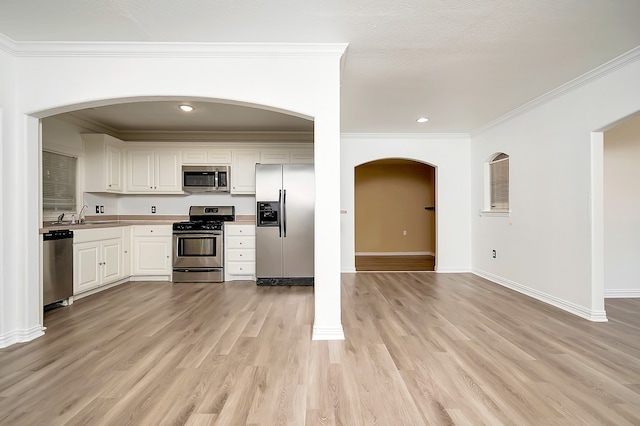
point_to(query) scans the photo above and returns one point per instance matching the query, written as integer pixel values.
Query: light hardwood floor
(420, 348)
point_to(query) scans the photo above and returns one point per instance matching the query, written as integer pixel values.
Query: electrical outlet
(404, 232)
(493, 254)
(97, 209)
(153, 209)
(101, 209)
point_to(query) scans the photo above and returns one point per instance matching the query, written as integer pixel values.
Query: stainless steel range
(198, 251)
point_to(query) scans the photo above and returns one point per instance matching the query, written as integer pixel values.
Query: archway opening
(395, 216)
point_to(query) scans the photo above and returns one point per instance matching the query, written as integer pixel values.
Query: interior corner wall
(545, 248)
(449, 154)
(7, 77)
(303, 80)
(621, 207)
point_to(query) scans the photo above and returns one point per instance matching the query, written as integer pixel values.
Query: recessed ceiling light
(186, 108)
(422, 120)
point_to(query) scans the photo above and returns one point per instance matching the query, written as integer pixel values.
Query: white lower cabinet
(98, 257)
(240, 252)
(152, 252)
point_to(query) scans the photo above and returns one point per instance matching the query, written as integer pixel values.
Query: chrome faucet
(80, 217)
(60, 218)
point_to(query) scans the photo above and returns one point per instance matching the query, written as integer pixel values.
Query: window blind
(499, 169)
(58, 182)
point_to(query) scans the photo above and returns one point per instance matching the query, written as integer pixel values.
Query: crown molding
(216, 136)
(404, 136)
(185, 50)
(586, 78)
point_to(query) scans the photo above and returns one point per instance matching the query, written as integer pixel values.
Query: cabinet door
(243, 172)
(302, 157)
(141, 171)
(152, 256)
(168, 168)
(194, 156)
(113, 168)
(111, 268)
(86, 274)
(275, 157)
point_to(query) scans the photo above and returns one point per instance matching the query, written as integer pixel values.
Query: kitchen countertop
(93, 222)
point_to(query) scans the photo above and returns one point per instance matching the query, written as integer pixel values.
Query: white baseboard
(20, 336)
(622, 293)
(581, 311)
(327, 333)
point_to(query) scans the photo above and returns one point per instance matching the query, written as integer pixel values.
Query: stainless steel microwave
(205, 178)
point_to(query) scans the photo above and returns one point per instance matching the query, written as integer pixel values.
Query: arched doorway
(395, 216)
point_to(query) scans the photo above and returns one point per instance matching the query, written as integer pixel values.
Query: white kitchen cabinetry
(283, 156)
(240, 252)
(202, 156)
(154, 171)
(104, 163)
(243, 171)
(152, 252)
(97, 258)
(302, 156)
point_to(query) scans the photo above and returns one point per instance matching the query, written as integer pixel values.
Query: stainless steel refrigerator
(284, 224)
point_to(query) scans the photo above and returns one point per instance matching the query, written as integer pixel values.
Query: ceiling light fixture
(186, 108)
(422, 120)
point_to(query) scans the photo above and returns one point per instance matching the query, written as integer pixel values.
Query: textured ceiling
(463, 63)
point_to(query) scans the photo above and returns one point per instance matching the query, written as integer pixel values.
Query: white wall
(450, 155)
(548, 248)
(12, 328)
(301, 79)
(621, 207)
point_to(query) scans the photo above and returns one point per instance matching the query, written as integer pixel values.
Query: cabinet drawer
(241, 268)
(152, 230)
(234, 230)
(241, 255)
(241, 242)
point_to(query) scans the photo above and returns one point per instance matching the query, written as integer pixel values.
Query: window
(58, 183)
(499, 182)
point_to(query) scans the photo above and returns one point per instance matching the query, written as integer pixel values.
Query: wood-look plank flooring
(420, 348)
(395, 263)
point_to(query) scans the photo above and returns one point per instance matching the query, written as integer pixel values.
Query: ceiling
(462, 63)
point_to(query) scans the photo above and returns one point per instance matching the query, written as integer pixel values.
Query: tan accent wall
(390, 197)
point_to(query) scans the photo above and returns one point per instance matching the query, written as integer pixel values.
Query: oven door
(198, 250)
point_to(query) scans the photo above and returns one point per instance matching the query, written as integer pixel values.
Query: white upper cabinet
(285, 156)
(154, 171)
(243, 171)
(201, 156)
(104, 163)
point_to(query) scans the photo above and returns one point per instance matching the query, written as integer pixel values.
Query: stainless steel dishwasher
(57, 266)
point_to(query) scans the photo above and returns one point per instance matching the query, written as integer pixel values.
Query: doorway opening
(395, 216)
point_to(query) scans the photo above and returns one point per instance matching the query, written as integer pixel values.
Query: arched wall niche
(395, 215)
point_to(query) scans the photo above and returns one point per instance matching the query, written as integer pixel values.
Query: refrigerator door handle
(284, 213)
(280, 213)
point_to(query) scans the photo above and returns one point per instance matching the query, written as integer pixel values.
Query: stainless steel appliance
(198, 250)
(284, 224)
(57, 266)
(205, 178)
